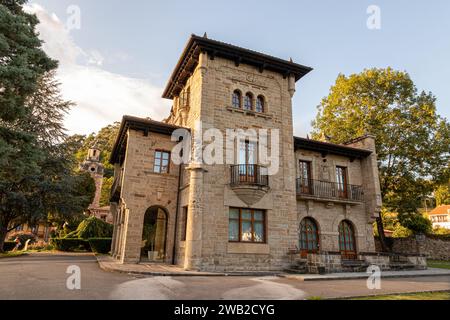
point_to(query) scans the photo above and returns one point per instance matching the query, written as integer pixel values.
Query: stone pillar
(132, 236)
(115, 214)
(193, 244)
(371, 180)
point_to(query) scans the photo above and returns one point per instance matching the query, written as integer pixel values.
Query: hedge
(100, 245)
(9, 245)
(65, 244)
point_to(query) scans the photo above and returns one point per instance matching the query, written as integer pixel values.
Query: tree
(412, 140)
(442, 194)
(22, 60)
(38, 177)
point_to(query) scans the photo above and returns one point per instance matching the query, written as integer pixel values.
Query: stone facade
(436, 247)
(198, 197)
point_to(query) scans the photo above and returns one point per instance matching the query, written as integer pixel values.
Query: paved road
(42, 276)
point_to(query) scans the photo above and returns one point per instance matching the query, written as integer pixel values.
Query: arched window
(248, 101)
(236, 100)
(260, 104)
(347, 244)
(309, 237)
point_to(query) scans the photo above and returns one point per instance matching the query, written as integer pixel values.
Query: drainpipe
(176, 216)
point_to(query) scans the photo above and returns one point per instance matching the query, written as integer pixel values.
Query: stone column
(193, 244)
(114, 212)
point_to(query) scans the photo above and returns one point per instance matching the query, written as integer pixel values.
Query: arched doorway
(154, 234)
(347, 244)
(309, 237)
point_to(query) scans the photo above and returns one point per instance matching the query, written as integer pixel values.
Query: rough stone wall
(142, 189)
(430, 247)
(329, 214)
(211, 87)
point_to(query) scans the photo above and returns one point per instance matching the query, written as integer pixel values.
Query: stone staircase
(354, 265)
(398, 263)
(300, 266)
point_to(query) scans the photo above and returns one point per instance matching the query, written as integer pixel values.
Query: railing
(249, 174)
(329, 190)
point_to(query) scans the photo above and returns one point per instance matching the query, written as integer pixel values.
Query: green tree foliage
(442, 195)
(92, 227)
(412, 140)
(38, 175)
(106, 190)
(22, 60)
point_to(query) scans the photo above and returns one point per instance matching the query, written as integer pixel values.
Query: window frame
(305, 164)
(263, 104)
(160, 161)
(341, 172)
(238, 93)
(251, 97)
(252, 221)
(308, 236)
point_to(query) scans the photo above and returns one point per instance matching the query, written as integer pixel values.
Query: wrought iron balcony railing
(249, 174)
(329, 190)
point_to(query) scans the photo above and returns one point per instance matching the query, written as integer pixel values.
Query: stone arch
(154, 234)
(347, 239)
(309, 236)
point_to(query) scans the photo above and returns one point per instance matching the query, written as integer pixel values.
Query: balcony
(329, 191)
(116, 188)
(249, 174)
(249, 182)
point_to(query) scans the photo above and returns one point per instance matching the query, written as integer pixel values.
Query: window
(309, 236)
(184, 224)
(260, 105)
(248, 154)
(162, 159)
(248, 101)
(185, 97)
(246, 225)
(341, 180)
(347, 244)
(305, 177)
(236, 100)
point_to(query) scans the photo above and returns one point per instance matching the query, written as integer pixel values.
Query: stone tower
(93, 165)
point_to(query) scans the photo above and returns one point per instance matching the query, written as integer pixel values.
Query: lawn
(12, 254)
(438, 264)
(442, 295)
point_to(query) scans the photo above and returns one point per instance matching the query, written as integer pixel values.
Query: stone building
(440, 217)
(95, 168)
(320, 203)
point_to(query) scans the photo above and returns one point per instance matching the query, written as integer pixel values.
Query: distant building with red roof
(440, 217)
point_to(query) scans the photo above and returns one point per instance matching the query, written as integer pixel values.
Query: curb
(359, 277)
(386, 295)
(104, 266)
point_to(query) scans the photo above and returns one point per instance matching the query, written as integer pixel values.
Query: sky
(116, 56)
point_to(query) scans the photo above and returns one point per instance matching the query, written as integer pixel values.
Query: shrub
(92, 227)
(23, 237)
(9, 245)
(100, 245)
(416, 223)
(64, 244)
(401, 232)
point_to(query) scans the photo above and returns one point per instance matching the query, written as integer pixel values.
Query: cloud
(101, 97)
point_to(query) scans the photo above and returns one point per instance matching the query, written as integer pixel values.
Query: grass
(441, 295)
(12, 254)
(438, 264)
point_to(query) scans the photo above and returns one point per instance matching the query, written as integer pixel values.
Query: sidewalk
(158, 269)
(430, 272)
